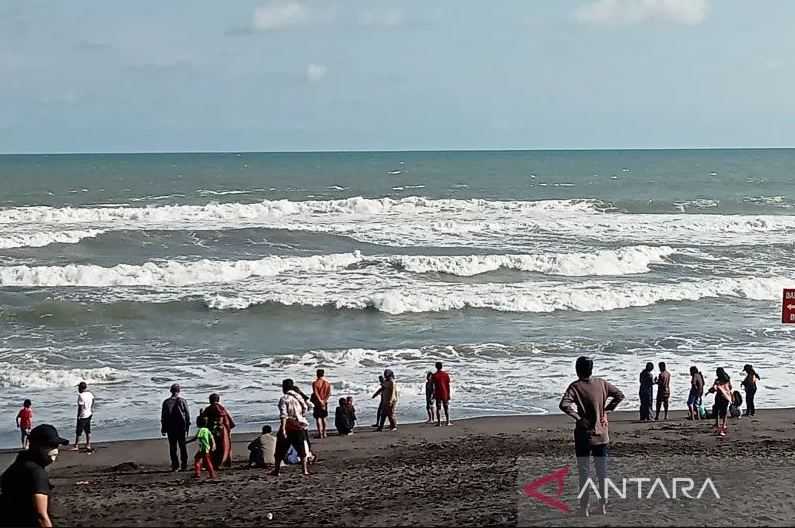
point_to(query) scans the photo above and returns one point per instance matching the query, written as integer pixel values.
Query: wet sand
(472, 473)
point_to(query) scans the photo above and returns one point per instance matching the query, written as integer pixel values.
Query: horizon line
(377, 151)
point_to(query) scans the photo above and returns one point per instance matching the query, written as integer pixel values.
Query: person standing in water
(85, 411)
(321, 394)
(588, 400)
(441, 391)
(696, 392)
(175, 424)
(25, 422)
(389, 399)
(722, 388)
(646, 392)
(749, 384)
(663, 390)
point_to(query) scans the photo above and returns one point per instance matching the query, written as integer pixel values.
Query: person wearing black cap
(25, 486)
(175, 423)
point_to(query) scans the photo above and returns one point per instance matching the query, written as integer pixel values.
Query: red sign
(788, 306)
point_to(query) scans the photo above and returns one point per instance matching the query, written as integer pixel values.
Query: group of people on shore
(727, 400)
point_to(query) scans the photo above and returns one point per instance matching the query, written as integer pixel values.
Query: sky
(294, 75)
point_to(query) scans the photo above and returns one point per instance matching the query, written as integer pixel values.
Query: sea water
(229, 272)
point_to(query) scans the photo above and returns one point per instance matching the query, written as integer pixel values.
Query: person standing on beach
(663, 390)
(441, 391)
(722, 388)
(380, 412)
(175, 423)
(696, 392)
(85, 411)
(749, 384)
(321, 394)
(25, 422)
(389, 399)
(646, 392)
(292, 427)
(429, 397)
(220, 423)
(588, 400)
(25, 485)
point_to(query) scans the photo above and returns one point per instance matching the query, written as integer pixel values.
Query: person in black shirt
(175, 423)
(25, 486)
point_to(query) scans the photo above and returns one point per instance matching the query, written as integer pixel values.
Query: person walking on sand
(588, 400)
(85, 411)
(292, 427)
(722, 388)
(441, 391)
(646, 392)
(663, 390)
(389, 400)
(220, 423)
(749, 384)
(175, 423)
(25, 485)
(321, 394)
(429, 397)
(696, 392)
(206, 446)
(25, 422)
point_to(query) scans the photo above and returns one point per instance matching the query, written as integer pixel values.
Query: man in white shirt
(85, 410)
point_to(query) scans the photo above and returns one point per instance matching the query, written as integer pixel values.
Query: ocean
(229, 272)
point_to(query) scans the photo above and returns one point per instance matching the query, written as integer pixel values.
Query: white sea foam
(16, 376)
(45, 238)
(629, 260)
(538, 297)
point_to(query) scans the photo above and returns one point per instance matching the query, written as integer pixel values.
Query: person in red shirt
(441, 391)
(25, 422)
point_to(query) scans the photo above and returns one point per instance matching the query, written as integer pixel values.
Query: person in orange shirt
(321, 394)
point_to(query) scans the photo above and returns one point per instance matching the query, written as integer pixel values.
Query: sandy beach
(472, 473)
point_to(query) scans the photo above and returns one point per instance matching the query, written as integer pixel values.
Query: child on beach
(722, 388)
(25, 422)
(206, 446)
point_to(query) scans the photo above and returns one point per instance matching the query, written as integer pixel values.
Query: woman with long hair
(220, 423)
(722, 388)
(749, 384)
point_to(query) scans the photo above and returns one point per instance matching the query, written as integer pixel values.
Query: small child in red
(25, 422)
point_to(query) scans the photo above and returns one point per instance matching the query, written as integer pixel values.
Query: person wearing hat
(175, 423)
(85, 411)
(25, 486)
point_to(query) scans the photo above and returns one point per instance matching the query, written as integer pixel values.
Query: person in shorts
(441, 391)
(25, 422)
(321, 394)
(696, 392)
(292, 427)
(85, 411)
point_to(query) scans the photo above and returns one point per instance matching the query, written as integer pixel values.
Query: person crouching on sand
(722, 388)
(646, 392)
(749, 384)
(262, 448)
(205, 448)
(342, 419)
(292, 427)
(696, 392)
(586, 400)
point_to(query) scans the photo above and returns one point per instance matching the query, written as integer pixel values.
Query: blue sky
(98, 76)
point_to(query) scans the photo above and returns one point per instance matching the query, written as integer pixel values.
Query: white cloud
(279, 14)
(392, 17)
(315, 72)
(625, 12)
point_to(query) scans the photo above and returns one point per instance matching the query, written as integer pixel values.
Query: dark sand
(469, 474)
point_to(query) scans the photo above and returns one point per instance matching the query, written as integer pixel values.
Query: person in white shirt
(85, 410)
(292, 427)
